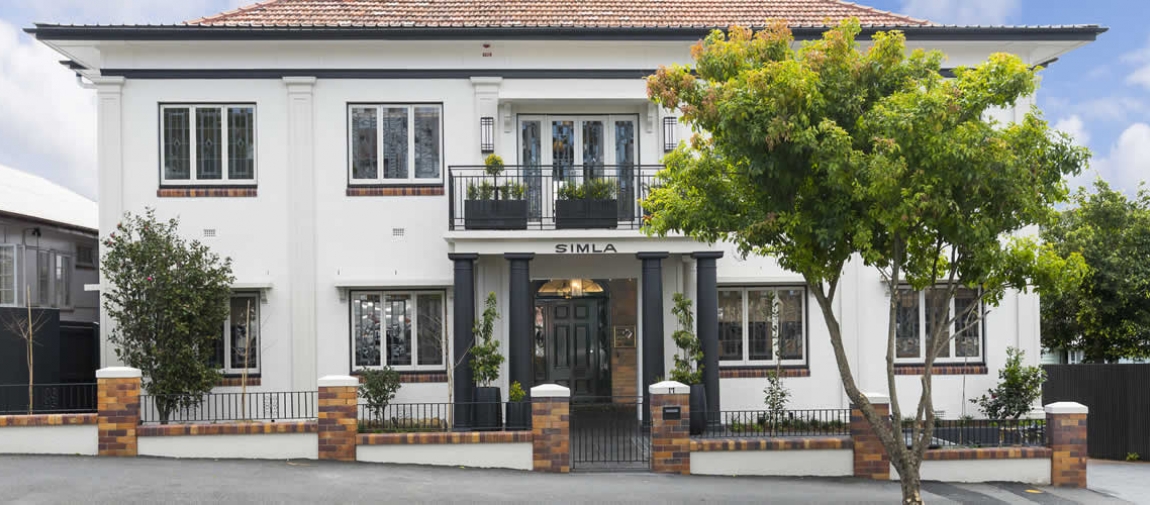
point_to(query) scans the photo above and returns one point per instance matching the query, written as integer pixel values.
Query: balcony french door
(575, 148)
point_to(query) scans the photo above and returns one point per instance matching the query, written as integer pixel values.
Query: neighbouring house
(48, 245)
(335, 152)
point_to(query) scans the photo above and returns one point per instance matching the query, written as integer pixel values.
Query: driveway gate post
(338, 419)
(117, 410)
(671, 427)
(1066, 432)
(551, 428)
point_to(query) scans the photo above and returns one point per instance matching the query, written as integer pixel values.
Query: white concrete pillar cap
(550, 391)
(118, 372)
(877, 398)
(669, 388)
(1067, 408)
(336, 381)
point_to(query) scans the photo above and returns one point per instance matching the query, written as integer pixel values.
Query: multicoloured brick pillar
(871, 459)
(117, 410)
(670, 427)
(1066, 431)
(551, 428)
(338, 423)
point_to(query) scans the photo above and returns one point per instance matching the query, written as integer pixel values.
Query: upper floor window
(8, 274)
(761, 325)
(208, 144)
(395, 143)
(403, 330)
(919, 311)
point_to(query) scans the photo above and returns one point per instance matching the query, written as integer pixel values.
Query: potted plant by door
(689, 362)
(491, 206)
(593, 204)
(518, 411)
(485, 361)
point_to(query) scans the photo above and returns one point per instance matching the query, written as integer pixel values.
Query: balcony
(552, 197)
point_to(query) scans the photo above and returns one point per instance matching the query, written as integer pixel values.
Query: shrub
(485, 357)
(1018, 388)
(493, 164)
(688, 367)
(378, 389)
(516, 393)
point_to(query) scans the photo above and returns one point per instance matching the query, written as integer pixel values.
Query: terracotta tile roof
(550, 13)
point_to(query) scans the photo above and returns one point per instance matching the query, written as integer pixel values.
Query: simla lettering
(577, 248)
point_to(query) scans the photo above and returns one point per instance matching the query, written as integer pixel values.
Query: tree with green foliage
(485, 356)
(822, 153)
(1108, 316)
(378, 389)
(1018, 389)
(169, 299)
(689, 360)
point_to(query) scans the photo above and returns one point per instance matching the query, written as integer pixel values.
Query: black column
(707, 319)
(652, 324)
(520, 319)
(464, 322)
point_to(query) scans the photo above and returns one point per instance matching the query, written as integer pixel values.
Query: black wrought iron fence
(441, 417)
(789, 423)
(221, 407)
(47, 398)
(983, 432)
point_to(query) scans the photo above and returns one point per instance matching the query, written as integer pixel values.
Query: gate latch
(672, 413)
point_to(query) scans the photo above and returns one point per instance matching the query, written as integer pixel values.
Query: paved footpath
(74, 479)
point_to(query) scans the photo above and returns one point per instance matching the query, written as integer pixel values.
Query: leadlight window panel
(912, 326)
(907, 341)
(395, 142)
(730, 325)
(759, 316)
(750, 319)
(8, 274)
(239, 336)
(403, 330)
(791, 328)
(406, 139)
(427, 142)
(63, 281)
(218, 140)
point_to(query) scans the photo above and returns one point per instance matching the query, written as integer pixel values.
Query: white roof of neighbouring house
(35, 197)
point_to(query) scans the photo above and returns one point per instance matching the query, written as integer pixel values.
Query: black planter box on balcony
(584, 214)
(495, 214)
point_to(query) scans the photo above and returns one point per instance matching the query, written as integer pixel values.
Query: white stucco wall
(516, 456)
(1025, 470)
(69, 439)
(805, 463)
(263, 446)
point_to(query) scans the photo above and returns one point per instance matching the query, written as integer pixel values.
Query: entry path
(73, 479)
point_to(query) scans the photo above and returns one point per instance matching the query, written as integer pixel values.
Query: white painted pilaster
(110, 167)
(301, 214)
(486, 105)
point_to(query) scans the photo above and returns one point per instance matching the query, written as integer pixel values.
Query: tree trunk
(911, 485)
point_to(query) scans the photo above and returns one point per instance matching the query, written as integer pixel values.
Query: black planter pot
(495, 214)
(519, 416)
(585, 214)
(488, 409)
(698, 409)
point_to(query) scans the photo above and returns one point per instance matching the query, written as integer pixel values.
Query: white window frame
(15, 248)
(951, 359)
(67, 271)
(383, 351)
(379, 179)
(224, 179)
(745, 361)
(227, 369)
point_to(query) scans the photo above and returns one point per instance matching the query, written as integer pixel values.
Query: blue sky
(1100, 94)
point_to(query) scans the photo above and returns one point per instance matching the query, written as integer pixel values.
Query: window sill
(762, 371)
(414, 377)
(941, 369)
(237, 381)
(206, 192)
(433, 189)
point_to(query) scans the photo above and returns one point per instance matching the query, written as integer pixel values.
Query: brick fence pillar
(551, 428)
(338, 424)
(670, 437)
(117, 410)
(871, 459)
(1066, 429)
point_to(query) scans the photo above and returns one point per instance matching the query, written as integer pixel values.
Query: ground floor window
(762, 325)
(239, 347)
(8, 274)
(919, 311)
(400, 329)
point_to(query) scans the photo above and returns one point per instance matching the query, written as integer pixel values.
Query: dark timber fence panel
(1119, 400)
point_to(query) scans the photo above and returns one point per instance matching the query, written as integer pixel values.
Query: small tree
(378, 389)
(169, 299)
(776, 395)
(688, 361)
(485, 357)
(1018, 389)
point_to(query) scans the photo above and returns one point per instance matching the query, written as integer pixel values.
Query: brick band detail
(761, 372)
(473, 437)
(338, 425)
(551, 435)
(987, 453)
(1067, 434)
(870, 458)
(260, 428)
(941, 370)
(396, 191)
(770, 444)
(227, 382)
(206, 192)
(671, 439)
(47, 420)
(118, 404)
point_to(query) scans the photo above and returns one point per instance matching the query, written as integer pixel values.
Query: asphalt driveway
(73, 479)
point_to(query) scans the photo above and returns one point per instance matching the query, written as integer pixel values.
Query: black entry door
(572, 337)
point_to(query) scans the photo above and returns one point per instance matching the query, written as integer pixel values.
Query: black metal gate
(607, 434)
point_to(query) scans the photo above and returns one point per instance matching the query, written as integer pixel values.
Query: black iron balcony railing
(549, 197)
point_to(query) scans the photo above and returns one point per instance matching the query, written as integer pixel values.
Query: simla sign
(584, 248)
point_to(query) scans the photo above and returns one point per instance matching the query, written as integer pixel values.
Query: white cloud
(1074, 127)
(963, 12)
(1128, 162)
(123, 11)
(1113, 108)
(1141, 59)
